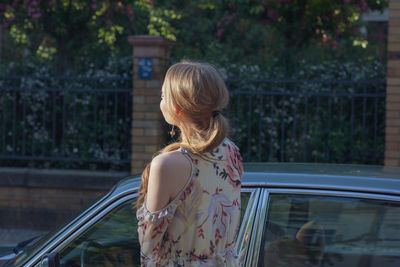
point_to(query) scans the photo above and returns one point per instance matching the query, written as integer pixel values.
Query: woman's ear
(178, 111)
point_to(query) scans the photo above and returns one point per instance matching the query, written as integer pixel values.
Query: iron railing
(65, 121)
(308, 120)
(79, 122)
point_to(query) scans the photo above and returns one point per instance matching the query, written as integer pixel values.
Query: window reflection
(331, 231)
(112, 241)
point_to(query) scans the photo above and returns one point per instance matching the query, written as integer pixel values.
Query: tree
(238, 30)
(67, 28)
(256, 30)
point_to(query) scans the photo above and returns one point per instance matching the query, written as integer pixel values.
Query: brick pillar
(150, 60)
(392, 131)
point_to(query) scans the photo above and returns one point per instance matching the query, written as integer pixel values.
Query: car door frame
(257, 233)
(81, 224)
(101, 208)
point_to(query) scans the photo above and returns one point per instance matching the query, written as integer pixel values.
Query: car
(292, 215)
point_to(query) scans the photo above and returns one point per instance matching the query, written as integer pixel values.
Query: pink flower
(36, 15)
(364, 5)
(129, 11)
(220, 32)
(264, 3)
(346, 1)
(334, 44)
(93, 6)
(272, 14)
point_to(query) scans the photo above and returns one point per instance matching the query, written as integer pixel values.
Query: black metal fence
(81, 122)
(308, 120)
(67, 122)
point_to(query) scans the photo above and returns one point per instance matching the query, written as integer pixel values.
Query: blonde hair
(199, 92)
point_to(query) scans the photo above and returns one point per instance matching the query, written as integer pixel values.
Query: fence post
(392, 130)
(150, 60)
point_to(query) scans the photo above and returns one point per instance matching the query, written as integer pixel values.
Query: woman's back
(199, 226)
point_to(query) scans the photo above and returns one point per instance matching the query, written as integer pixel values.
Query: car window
(307, 230)
(244, 201)
(248, 210)
(112, 241)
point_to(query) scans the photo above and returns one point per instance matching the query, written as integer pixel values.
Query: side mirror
(50, 260)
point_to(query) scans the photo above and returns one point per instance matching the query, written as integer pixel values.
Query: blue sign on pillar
(145, 67)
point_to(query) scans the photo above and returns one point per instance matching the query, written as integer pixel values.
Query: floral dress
(200, 226)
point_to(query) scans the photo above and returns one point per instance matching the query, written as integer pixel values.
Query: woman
(189, 203)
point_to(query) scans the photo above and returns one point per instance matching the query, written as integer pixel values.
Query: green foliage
(159, 20)
(239, 30)
(325, 112)
(78, 121)
(308, 41)
(255, 32)
(77, 28)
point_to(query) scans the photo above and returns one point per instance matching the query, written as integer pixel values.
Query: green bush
(67, 121)
(325, 112)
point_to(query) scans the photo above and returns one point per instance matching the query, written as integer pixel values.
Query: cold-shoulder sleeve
(152, 226)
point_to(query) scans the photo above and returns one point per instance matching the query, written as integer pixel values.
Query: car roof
(359, 178)
(356, 178)
(325, 168)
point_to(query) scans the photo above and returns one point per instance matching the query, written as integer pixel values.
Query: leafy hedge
(80, 121)
(324, 112)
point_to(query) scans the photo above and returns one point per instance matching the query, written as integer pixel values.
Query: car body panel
(261, 180)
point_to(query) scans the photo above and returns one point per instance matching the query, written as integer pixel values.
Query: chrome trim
(332, 193)
(248, 215)
(257, 231)
(67, 231)
(92, 221)
(377, 184)
(322, 187)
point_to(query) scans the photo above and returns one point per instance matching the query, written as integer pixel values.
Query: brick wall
(44, 199)
(42, 209)
(392, 131)
(148, 127)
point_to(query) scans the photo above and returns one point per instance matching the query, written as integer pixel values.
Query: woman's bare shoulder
(174, 160)
(171, 168)
(169, 173)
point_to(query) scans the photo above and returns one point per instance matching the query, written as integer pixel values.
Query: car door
(108, 236)
(298, 227)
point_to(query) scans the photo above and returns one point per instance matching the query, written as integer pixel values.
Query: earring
(172, 132)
